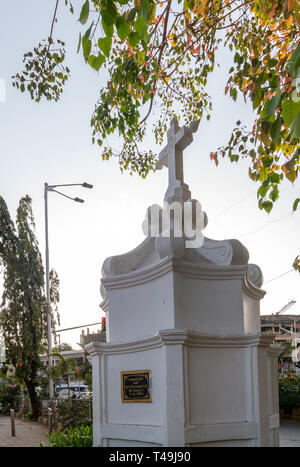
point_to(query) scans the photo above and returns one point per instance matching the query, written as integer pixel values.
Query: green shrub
(9, 397)
(289, 393)
(74, 437)
(28, 416)
(78, 413)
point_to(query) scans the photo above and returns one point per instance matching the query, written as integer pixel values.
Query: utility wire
(75, 327)
(277, 277)
(265, 225)
(255, 231)
(232, 206)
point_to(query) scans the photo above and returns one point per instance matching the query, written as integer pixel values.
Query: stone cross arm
(172, 154)
(178, 137)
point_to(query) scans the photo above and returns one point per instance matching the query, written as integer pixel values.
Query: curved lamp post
(78, 200)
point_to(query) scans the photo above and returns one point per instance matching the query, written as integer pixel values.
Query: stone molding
(152, 433)
(190, 270)
(134, 278)
(221, 432)
(104, 305)
(183, 337)
(207, 433)
(251, 290)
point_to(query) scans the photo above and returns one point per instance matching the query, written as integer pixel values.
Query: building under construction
(287, 334)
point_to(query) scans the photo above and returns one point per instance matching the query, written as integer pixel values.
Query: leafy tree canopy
(23, 310)
(64, 346)
(63, 367)
(161, 52)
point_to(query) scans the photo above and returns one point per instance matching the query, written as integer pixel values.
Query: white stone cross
(172, 157)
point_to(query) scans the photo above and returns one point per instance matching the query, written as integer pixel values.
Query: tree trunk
(35, 403)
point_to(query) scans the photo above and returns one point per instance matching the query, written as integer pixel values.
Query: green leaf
(107, 18)
(267, 206)
(274, 194)
(233, 93)
(273, 62)
(140, 26)
(84, 14)
(189, 4)
(275, 130)
(79, 43)
(91, 60)
(109, 15)
(96, 62)
(274, 83)
(292, 175)
(295, 127)
(273, 104)
(86, 45)
(274, 177)
(134, 39)
(123, 28)
(257, 99)
(262, 191)
(267, 161)
(132, 14)
(238, 59)
(289, 110)
(145, 10)
(88, 31)
(294, 62)
(295, 205)
(105, 45)
(108, 28)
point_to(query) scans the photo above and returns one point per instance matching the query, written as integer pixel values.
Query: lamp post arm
(65, 184)
(62, 194)
(85, 185)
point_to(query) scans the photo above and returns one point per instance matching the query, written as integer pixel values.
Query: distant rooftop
(274, 319)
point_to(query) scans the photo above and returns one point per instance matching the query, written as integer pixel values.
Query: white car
(85, 395)
(75, 391)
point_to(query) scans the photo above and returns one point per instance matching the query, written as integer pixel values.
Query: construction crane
(286, 307)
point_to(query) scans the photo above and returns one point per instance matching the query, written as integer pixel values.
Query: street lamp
(78, 200)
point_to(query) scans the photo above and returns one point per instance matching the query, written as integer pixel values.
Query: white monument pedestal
(185, 363)
(208, 388)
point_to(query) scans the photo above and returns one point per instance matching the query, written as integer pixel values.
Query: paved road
(28, 434)
(289, 434)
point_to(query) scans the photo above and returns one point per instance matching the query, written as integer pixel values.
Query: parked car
(75, 391)
(85, 395)
(63, 394)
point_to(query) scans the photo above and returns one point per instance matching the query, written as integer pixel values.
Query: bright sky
(51, 142)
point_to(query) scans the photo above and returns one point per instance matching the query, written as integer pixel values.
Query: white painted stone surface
(206, 390)
(215, 299)
(191, 317)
